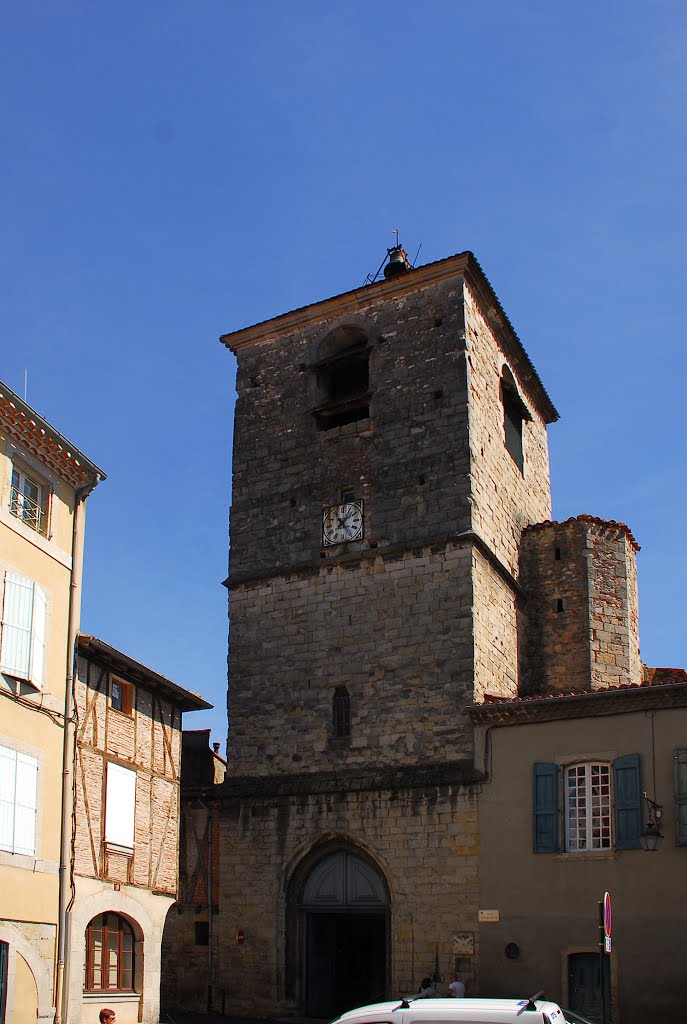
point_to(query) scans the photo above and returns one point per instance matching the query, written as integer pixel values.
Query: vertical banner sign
(607, 922)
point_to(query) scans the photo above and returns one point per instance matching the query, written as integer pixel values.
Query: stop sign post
(605, 944)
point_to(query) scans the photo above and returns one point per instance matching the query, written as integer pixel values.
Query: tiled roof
(98, 650)
(585, 518)
(666, 687)
(44, 442)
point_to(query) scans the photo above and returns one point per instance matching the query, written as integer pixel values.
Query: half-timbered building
(125, 831)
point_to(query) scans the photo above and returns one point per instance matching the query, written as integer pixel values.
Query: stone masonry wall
(189, 989)
(365, 624)
(496, 611)
(424, 843)
(503, 499)
(409, 460)
(299, 627)
(582, 611)
(613, 606)
(556, 637)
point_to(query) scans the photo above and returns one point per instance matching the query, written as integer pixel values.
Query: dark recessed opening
(202, 930)
(328, 418)
(557, 554)
(559, 604)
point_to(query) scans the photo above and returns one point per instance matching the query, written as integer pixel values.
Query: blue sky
(174, 170)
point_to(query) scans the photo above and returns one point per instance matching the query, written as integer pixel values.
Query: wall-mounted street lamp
(651, 834)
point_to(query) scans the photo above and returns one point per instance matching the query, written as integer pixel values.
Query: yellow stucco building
(44, 484)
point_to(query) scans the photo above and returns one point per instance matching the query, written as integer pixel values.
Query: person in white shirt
(457, 989)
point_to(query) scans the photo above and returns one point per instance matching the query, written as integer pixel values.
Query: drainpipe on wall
(66, 886)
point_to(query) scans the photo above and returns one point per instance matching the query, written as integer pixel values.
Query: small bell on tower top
(398, 262)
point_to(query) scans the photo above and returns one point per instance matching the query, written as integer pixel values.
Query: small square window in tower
(342, 378)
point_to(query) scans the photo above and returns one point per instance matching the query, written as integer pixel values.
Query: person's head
(107, 1016)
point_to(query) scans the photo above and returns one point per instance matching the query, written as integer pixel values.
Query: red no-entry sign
(607, 914)
(608, 921)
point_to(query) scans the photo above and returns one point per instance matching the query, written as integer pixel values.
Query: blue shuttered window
(545, 808)
(22, 645)
(18, 784)
(591, 807)
(681, 797)
(627, 802)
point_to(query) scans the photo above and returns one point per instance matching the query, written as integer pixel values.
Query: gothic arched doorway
(344, 912)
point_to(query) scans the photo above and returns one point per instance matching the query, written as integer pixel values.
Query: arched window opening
(342, 712)
(515, 412)
(109, 963)
(342, 378)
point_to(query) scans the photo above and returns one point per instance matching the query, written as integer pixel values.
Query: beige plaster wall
(25, 999)
(548, 902)
(146, 911)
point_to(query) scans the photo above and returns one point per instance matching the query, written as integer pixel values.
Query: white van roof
(445, 1011)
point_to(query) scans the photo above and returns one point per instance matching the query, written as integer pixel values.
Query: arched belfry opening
(342, 377)
(343, 913)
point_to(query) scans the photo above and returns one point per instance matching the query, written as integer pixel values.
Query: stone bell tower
(389, 449)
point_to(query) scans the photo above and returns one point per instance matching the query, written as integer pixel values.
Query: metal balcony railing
(26, 509)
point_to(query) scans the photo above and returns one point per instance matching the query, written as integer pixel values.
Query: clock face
(341, 523)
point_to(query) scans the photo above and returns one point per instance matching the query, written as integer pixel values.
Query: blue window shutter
(627, 802)
(680, 797)
(545, 808)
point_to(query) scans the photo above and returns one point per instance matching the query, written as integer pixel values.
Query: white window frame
(23, 629)
(120, 808)
(588, 789)
(18, 801)
(33, 514)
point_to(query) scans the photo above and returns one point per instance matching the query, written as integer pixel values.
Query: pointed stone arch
(337, 929)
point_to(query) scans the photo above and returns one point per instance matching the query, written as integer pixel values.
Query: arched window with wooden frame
(109, 954)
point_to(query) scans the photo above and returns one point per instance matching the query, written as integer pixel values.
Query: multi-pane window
(588, 807)
(27, 500)
(18, 785)
(109, 955)
(342, 712)
(22, 645)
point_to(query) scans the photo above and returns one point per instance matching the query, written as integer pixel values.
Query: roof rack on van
(530, 1004)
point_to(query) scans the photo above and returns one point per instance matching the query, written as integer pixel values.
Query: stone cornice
(366, 778)
(622, 700)
(313, 568)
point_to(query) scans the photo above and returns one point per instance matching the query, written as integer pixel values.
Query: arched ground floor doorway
(344, 935)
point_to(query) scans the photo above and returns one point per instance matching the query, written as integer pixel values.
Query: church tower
(389, 449)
